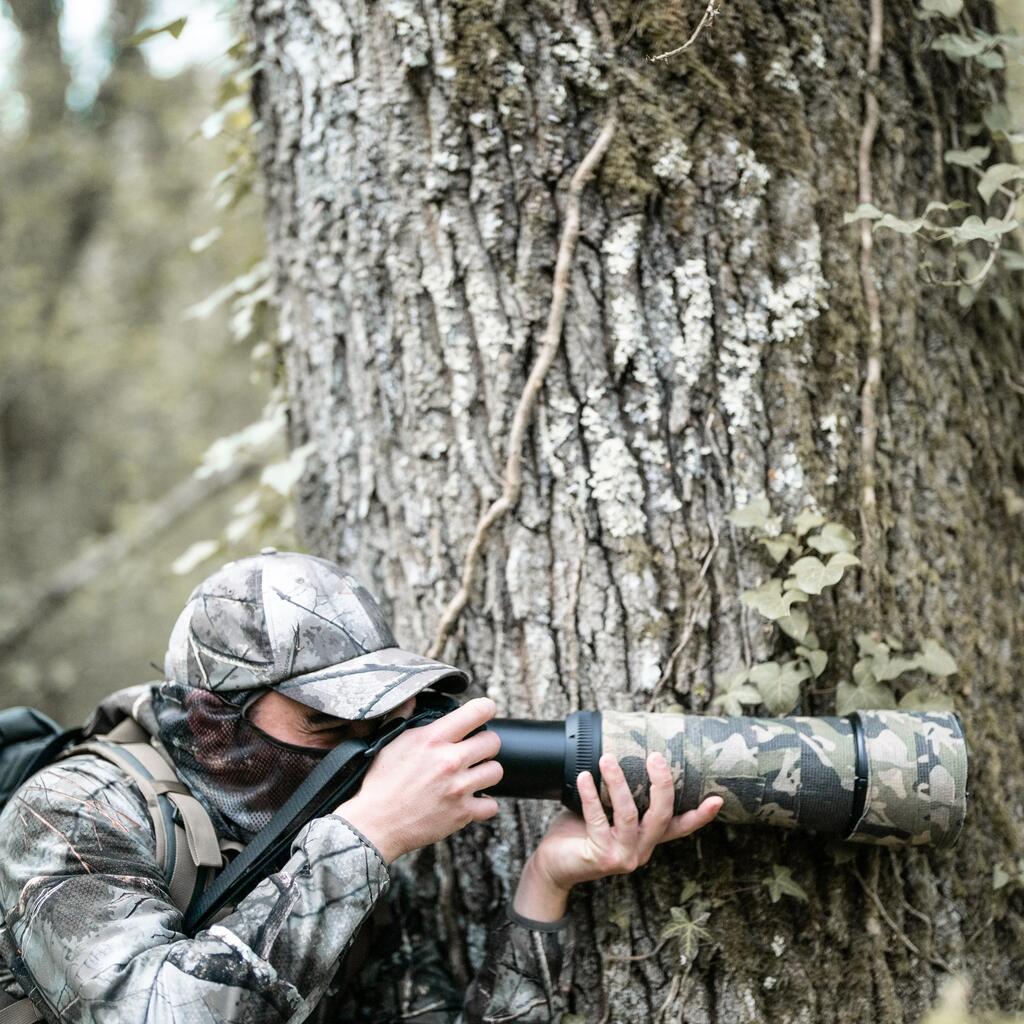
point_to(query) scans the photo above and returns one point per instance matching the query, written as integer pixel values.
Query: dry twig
(709, 16)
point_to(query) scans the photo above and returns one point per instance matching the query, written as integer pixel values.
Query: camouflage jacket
(89, 930)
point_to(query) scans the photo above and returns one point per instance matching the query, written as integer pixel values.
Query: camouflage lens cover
(800, 771)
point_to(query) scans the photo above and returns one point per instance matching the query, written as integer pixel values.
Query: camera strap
(335, 778)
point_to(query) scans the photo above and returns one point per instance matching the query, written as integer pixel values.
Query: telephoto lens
(888, 777)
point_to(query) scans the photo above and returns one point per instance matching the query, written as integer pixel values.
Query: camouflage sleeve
(521, 976)
(90, 932)
(408, 976)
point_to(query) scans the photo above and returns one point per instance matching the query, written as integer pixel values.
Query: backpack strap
(185, 837)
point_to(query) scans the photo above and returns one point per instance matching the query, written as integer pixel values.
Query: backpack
(187, 846)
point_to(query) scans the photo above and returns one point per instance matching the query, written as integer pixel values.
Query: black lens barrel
(543, 759)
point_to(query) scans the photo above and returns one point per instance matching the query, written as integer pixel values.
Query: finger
(483, 776)
(659, 810)
(462, 721)
(683, 824)
(624, 809)
(593, 813)
(481, 746)
(482, 807)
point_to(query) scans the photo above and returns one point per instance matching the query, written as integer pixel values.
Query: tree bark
(714, 348)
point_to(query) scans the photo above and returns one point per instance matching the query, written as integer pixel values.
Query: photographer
(275, 660)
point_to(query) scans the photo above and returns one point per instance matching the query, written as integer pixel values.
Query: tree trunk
(714, 351)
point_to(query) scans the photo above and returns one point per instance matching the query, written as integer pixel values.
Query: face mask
(241, 775)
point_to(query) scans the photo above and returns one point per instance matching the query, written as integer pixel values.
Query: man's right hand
(421, 787)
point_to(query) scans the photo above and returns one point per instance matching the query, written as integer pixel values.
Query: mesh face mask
(241, 775)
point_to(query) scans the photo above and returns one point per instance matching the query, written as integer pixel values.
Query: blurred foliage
(113, 226)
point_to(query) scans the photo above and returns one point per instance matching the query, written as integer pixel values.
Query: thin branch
(709, 16)
(513, 476)
(873, 372)
(185, 497)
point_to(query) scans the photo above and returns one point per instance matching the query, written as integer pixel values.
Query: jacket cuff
(538, 926)
(366, 842)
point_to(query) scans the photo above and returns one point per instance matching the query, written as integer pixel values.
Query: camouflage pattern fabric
(799, 772)
(302, 626)
(917, 780)
(90, 933)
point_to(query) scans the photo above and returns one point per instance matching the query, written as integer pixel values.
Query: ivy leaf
(770, 601)
(796, 624)
(816, 659)
(935, 659)
(884, 668)
(991, 59)
(864, 211)
(689, 932)
(999, 877)
(812, 575)
(734, 692)
(779, 547)
(870, 696)
(833, 537)
(807, 520)
(779, 685)
(781, 883)
(904, 227)
(1012, 259)
(870, 646)
(973, 229)
(973, 157)
(923, 699)
(172, 28)
(755, 514)
(942, 8)
(958, 47)
(996, 176)
(863, 672)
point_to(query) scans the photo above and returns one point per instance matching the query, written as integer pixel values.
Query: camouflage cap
(304, 627)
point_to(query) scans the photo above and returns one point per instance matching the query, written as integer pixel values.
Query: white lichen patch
(788, 476)
(780, 75)
(411, 33)
(778, 944)
(673, 164)
(617, 488)
(691, 350)
(816, 56)
(829, 425)
(799, 299)
(621, 246)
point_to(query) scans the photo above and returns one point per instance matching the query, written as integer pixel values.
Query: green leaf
(996, 176)
(973, 157)
(935, 659)
(807, 520)
(973, 229)
(863, 671)
(731, 703)
(991, 59)
(923, 699)
(779, 547)
(726, 681)
(811, 575)
(942, 8)
(689, 932)
(904, 227)
(886, 668)
(999, 877)
(781, 883)
(816, 659)
(864, 211)
(755, 514)
(1012, 259)
(770, 601)
(796, 624)
(172, 28)
(869, 645)
(958, 47)
(833, 537)
(779, 685)
(869, 697)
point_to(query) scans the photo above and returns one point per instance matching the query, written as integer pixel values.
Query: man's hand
(581, 849)
(420, 787)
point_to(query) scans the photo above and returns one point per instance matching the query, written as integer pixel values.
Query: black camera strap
(334, 779)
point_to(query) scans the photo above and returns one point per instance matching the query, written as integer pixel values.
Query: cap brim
(372, 684)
